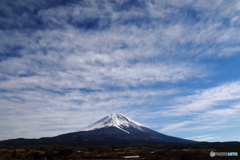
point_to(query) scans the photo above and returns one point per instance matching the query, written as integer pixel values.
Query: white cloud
(52, 113)
(204, 138)
(206, 99)
(209, 109)
(61, 69)
(175, 126)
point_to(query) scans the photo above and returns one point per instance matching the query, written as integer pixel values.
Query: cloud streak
(210, 109)
(203, 138)
(80, 60)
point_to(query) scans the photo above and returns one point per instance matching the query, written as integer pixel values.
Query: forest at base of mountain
(143, 151)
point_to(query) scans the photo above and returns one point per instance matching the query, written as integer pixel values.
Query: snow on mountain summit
(115, 120)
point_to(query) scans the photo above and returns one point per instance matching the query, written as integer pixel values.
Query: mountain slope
(114, 128)
(118, 128)
(114, 120)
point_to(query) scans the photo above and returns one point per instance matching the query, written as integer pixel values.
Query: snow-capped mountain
(112, 129)
(119, 128)
(115, 120)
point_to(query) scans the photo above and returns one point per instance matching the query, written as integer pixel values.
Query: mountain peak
(114, 120)
(114, 129)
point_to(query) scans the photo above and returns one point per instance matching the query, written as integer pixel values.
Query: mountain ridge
(114, 128)
(114, 120)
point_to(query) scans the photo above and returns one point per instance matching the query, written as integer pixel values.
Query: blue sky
(171, 65)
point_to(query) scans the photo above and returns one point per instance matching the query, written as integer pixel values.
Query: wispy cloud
(81, 60)
(209, 109)
(203, 138)
(206, 99)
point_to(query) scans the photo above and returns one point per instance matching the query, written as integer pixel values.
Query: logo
(212, 153)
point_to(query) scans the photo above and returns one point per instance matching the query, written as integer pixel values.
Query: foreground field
(117, 152)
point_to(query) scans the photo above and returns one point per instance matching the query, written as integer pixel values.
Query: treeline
(144, 151)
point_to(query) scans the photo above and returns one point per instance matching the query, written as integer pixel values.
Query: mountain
(114, 128)
(115, 120)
